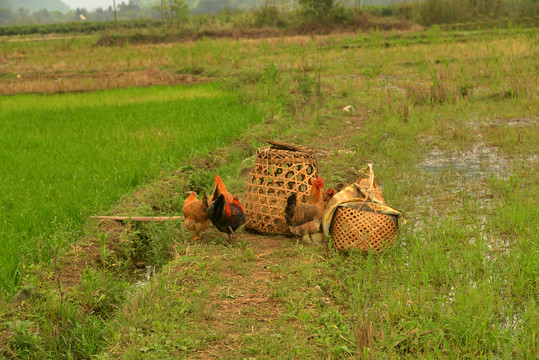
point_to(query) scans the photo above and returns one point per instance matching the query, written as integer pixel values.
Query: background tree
(5, 4)
(128, 11)
(172, 10)
(102, 15)
(42, 16)
(23, 14)
(318, 10)
(6, 16)
(56, 16)
(179, 9)
(212, 6)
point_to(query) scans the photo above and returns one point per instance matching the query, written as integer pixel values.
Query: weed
(23, 340)
(371, 73)
(418, 94)
(201, 181)
(98, 293)
(269, 86)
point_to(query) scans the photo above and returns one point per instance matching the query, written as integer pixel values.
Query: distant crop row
(76, 27)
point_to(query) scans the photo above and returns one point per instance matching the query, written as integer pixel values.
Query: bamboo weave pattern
(363, 230)
(276, 174)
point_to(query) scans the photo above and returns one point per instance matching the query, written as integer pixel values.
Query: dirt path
(245, 299)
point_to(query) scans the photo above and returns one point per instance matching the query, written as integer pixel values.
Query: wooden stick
(283, 146)
(138, 218)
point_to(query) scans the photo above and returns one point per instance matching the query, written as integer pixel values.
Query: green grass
(461, 280)
(66, 157)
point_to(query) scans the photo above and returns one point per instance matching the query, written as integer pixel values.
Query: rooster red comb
(319, 181)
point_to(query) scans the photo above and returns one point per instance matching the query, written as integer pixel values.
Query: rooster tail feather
(216, 208)
(216, 193)
(220, 202)
(290, 208)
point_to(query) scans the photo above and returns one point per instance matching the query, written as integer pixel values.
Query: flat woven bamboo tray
(278, 171)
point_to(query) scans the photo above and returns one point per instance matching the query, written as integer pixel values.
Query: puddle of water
(144, 275)
(514, 122)
(481, 161)
(398, 89)
(478, 162)
(390, 82)
(519, 122)
(465, 174)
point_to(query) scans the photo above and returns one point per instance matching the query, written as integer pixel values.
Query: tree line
(281, 13)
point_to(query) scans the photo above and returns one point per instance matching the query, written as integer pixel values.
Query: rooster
(305, 219)
(222, 189)
(196, 214)
(226, 216)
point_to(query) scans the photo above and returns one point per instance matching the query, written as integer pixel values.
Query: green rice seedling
(73, 155)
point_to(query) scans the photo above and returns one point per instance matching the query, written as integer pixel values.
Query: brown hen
(305, 219)
(196, 214)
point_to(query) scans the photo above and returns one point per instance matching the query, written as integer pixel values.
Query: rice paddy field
(449, 120)
(66, 157)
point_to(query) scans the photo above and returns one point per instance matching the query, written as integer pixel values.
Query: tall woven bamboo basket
(279, 170)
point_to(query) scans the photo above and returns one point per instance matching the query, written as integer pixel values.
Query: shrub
(450, 11)
(267, 16)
